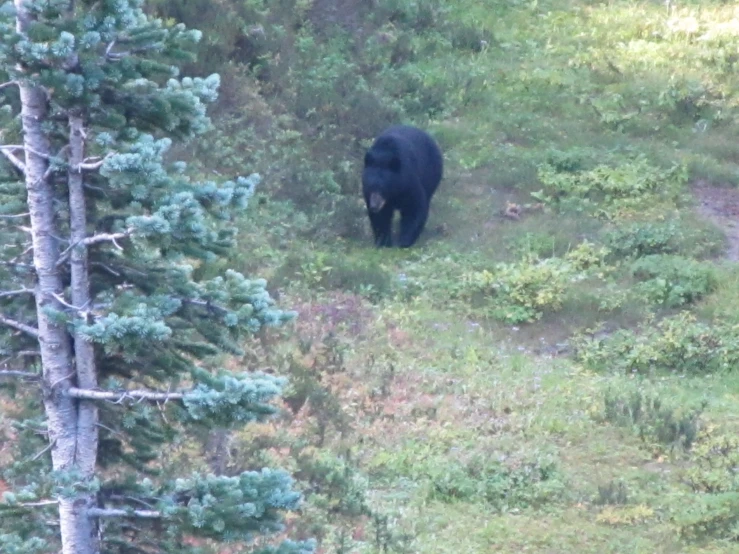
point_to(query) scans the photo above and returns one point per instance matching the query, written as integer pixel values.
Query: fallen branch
(121, 396)
(19, 326)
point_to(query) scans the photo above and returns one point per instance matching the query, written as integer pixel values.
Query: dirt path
(721, 205)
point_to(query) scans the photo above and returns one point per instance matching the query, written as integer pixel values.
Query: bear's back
(413, 143)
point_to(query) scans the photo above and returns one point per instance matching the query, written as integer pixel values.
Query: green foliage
(657, 420)
(611, 192)
(519, 292)
(675, 344)
(672, 281)
(669, 236)
(500, 486)
(162, 311)
(714, 510)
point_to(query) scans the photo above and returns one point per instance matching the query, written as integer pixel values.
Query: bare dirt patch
(720, 204)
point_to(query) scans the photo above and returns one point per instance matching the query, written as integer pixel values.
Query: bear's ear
(394, 164)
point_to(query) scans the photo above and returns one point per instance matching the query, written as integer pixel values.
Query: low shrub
(611, 192)
(657, 420)
(678, 343)
(672, 281)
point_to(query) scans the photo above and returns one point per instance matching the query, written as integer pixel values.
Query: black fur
(404, 167)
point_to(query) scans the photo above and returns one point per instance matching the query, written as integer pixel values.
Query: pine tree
(113, 309)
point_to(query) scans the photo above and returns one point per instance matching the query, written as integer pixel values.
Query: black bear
(401, 172)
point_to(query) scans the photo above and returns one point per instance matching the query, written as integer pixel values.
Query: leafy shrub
(502, 487)
(642, 238)
(587, 256)
(679, 343)
(714, 510)
(657, 421)
(673, 281)
(519, 292)
(715, 462)
(610, 192)
(636, 239)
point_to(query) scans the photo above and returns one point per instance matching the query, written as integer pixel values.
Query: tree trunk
(54, 340)
(84, 352)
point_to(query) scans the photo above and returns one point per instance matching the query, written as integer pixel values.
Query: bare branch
(106, 268)
(109, 512)
(25, 149)
(8, 84)
(48, 447)
(39, 504)
(105, 237)
(66, 304)
(205, 304)
(18, 292)
(95, 239)
(25, 375)
(110, 46)
(121, 396)
(12, 216)
(19, 326)
(88, 165)
(13, 159)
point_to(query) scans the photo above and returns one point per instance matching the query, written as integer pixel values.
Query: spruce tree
(115, 305)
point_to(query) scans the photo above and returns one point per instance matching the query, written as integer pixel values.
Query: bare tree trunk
(54, 340)
(84, 352)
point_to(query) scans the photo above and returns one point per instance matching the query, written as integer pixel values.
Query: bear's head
(381, 175)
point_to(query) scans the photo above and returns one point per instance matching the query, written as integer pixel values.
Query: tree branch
(121, 396)
(8, 84)
(19, 326)
(13, 216)
(13, 159)
(18, 292)
(109, 512)
(92, 166)
(25, 375)
(95, 239)
(39, 504)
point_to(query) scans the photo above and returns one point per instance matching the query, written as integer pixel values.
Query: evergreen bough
(110, 317)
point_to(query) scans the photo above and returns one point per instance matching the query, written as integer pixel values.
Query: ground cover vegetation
(553, 366)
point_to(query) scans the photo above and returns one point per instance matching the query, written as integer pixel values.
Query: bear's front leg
(382, 226)
(412, 222)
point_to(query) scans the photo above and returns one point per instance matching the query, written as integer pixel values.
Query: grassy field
(560, 381)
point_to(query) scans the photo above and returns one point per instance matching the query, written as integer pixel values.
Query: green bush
(713, 511)
(658, 421)
(519, 292)
(672, 281)
(678, 344)
(673, 236)
(502, 487)
(610, 192)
